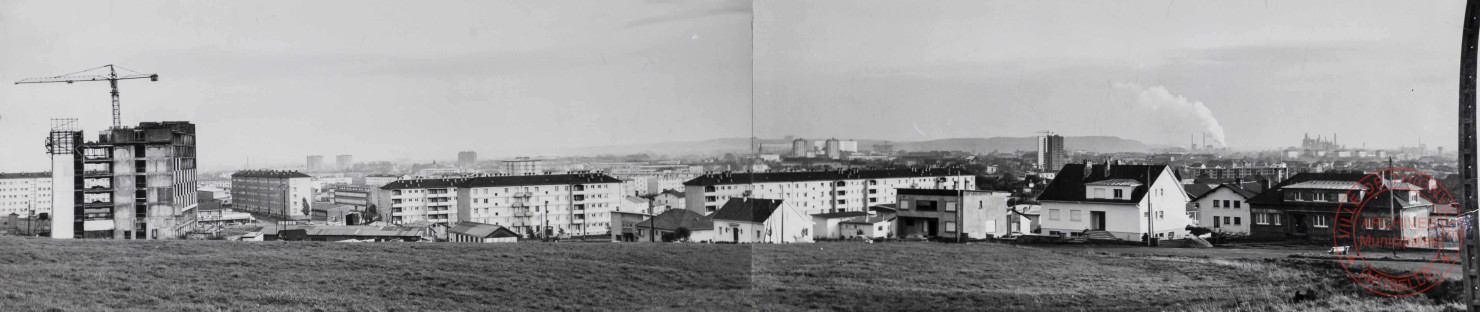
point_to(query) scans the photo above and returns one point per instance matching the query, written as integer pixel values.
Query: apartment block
(22, 193)
(571, 204)
(814, 192)
(132, 183)
(273, 192)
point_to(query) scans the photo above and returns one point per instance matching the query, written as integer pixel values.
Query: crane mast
(111, 77)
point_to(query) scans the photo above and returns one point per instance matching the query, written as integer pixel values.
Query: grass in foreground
(43, 274)
(81, 275)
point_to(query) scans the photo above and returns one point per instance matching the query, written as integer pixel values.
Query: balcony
(522, 194)
(97, 173)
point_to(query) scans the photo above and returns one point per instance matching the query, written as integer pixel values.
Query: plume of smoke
(1157, 98)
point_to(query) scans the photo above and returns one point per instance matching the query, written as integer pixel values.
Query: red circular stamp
(1392, 211)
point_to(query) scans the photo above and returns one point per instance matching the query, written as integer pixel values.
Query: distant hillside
(974, 145)
(1100, 144)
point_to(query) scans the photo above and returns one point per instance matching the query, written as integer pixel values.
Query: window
(1053, 214)
(1238, 220)
(1321, 222)
(1238, 204)
(1119, 193)
(1160, 215)
(925, 205)
(1074, 215)
(1261, 218)
(950, 206)
(1215, 204)
(950, 226)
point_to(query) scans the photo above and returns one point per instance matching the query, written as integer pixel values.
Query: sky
(1258, 74)
(271, 82)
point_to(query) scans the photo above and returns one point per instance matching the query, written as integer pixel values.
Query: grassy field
(40, 275)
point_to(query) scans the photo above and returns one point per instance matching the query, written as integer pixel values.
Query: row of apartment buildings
(820, 191)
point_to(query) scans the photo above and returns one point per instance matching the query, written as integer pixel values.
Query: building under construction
(132, 183)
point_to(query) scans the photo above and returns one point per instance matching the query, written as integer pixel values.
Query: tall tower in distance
(467, 158)
(344, 162)
(1051, 152)
(800, 147)
(315, 163)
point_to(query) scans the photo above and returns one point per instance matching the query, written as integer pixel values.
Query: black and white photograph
(739, 155)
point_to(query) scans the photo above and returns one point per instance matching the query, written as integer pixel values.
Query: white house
(1127, 201)
(1223, 209)
(872, 227)
(825, 225)
(758, 220)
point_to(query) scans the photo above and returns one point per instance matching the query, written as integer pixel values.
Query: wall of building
(1125, 221)
(814, 197)
(22, 195)
(1236, 211)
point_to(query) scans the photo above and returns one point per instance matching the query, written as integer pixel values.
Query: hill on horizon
(1099, 144)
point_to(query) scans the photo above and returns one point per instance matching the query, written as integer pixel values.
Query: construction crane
(111, 77)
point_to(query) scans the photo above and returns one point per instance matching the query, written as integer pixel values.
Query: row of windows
(1235, 204)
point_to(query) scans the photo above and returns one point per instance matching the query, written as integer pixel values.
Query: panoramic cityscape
(737, 155)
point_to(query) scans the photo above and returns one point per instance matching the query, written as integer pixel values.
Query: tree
(307, 211)
(371, 214)
(681, 233)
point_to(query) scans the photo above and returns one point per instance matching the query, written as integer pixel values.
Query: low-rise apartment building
(573, 204)
(957, 214)
(814, 192)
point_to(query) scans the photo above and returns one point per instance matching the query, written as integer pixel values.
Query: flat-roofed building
(23, 193)
(573, 204)
(815, 192)
(273, 192)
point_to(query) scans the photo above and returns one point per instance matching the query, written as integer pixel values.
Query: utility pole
(652, 223)
(1392, 206)
(1150, 210)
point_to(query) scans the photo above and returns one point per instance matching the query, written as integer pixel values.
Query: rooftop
(24, 175)
(678, 218)
(496, 181)
(832, 175)
(1068, 184)
(269, 174)
(483, 230)
(756, 210)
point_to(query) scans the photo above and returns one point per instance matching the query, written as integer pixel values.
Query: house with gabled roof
(759, 220)
(474, 232)
(700, 227)
(1123, 201)
(1223, 208)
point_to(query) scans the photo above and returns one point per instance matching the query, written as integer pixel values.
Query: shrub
(1198, 231)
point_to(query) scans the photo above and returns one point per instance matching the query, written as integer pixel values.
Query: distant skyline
(276, 81)
(1262, 72)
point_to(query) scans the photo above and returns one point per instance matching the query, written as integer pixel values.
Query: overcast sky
(278, 80)
(1382, 73)
(275, 81)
